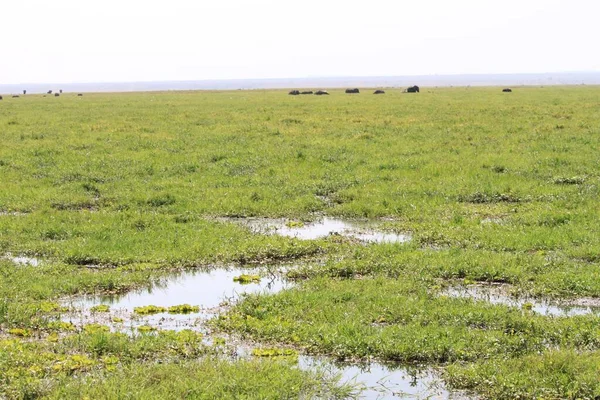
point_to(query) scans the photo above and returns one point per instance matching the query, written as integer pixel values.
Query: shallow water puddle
(22, 260)
(498, 294)
(361, 230)
(213, 291)
(374, 380)
(207, 289)
(12, 213)
(381, 382)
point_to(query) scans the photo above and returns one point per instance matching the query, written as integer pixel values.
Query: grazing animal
(307, 92)
(60, 91)
(507, 90)
(24, 92)
(15, 95)
(412, 89)
(321, 92)
(79, 94)
(355, 90)
(379, 92)
(0, 97)
(49, 92)
(294, 93)
(56, 94)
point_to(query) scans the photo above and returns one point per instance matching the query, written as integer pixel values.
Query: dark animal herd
(412, 89)
(49, 92)
(295, 92)
(324, 92)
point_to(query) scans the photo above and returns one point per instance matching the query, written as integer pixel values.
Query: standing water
(22, 260)
(207, 289)
(379, 382)
(361, 230)
(214, 290)
(499, 294)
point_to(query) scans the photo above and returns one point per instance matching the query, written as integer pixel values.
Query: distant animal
(307, 92)
(412, 89)
(60, 91)
(24, 91)
(321, 92)
(355, 90)
(79, 94)
(49, 92)
(15, 95)
(56, 94)
(507, 90)
(294, 93)
(0, 97)
(379, 92)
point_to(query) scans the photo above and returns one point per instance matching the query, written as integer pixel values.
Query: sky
(73, 41)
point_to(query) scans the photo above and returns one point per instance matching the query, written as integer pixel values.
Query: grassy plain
(492, 187)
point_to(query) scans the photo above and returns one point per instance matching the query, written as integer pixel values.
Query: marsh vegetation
(112, 197)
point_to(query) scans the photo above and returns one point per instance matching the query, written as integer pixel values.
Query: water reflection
(361, 230)
(207, 289)
(210, 289)
(499, 294)
(379, 381)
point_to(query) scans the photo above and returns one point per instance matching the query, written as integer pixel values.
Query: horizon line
(306, 78)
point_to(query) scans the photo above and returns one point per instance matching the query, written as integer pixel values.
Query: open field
(114, 192)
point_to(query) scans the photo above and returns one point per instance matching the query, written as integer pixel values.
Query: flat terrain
(114, 192)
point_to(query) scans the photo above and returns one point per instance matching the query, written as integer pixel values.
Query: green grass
(163, 365)
(210, 379)
(115, 191)
(400, 320)
(554, 375)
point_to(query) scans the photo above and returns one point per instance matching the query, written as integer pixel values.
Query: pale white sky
(146, 40)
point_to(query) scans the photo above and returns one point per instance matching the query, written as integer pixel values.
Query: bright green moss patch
(48, 306)
(53, 337)
(273, 352)
(246, 279)
(178, 309)
(19, 332)
(148, 310)
(183, 309)
(95, 328)
(146, 329)
(61, 326)
(294, 224)
(73, 363)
